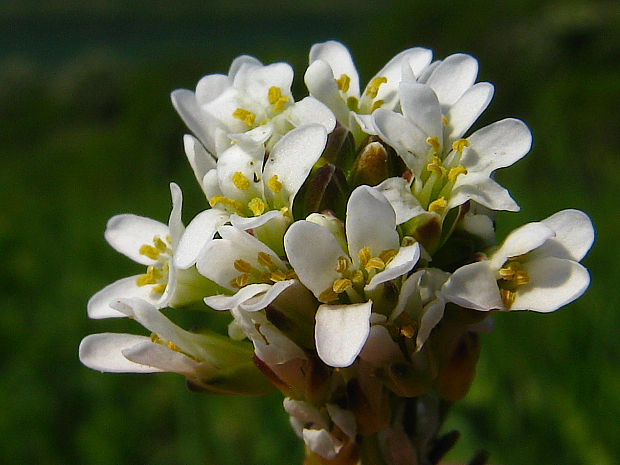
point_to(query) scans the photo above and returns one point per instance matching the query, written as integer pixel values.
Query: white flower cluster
(350, 235)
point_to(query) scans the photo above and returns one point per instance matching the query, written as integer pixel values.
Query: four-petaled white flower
(150, 243)
(333, 79)
(252, 104)
(344, 280)
(536, 268)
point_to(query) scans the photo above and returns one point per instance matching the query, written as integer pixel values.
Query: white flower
(153, 244)
(241, 263)
(536, 268)
(211, 361)
(253, 104)
(251, 192)
(449, 170)
(333, 79)
(344, 279)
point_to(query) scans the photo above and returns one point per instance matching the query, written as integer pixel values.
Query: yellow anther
(155, 338)
(290, 274)
(459, 145)
(264, 259)
(257, 206)
(444, 120)
(143, 280)
(343, 265)
(172, 346)
(435, 166)
(277, 276)
(364, 255)
(434, 143)
(388, 255)
(230, 203)
(160, 288)
(375, 263)
(341, 285)
(159, 244)
(376, 104)
(327, 296)
(242, 266)
(274, 94)
(155, 273)
(508, 297)
(408, 331)
(508, 272)
(149, 251)
(454, 172)
(407, 241)
(244, 115)
(241, 280)
(357, 278)
(343, 82)
(372, 89)
(240, 181)
(521, 277)
(274, 185)
(438, 206)
(353, 104)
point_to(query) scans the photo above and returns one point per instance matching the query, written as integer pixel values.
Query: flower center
(157, 273)
(265, 272)
(511, 276)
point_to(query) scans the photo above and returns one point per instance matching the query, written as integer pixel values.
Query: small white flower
(153, 244)
(536, 268)
(252, 104)
(333, 79)
(448, 170)
(373, 257)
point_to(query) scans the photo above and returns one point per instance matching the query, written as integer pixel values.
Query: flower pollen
(343, 82)
(244, 115)
(240, 181)
(373, 86)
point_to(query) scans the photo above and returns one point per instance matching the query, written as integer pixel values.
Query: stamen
(407, 241)
(327, 296)
(244, 115)
(459, 145)
(373, 86)
(508, 297)
(343, 82)
(277, 276)
(444, 120)
(508, 272)
(264, 259)
(160, 288)
(357, 278)
(435, 166)
(353, 104)
(240, 281)
(240, 181)
(377, 104)
(341, 285)
(290, 274)
(343, 265)
(257, 206)
(521, 277)
(388, 255)
(143, 280)
(230, 203)
(274, 184)
(242, 266)
(149, 251)
(159, 244)
(364, 255)
(434, 143)
(408, 331)
(454, 172)
(438, 206)
(274, 94)
(375, 263)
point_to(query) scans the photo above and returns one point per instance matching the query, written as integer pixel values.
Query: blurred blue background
(87, 131)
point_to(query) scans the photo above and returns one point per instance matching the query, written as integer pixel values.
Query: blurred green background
(87, 131)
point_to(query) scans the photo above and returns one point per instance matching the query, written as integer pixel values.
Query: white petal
(321, 443)
(319, 79)
(254, 138)
(161, 358)
(307, 413)
(227, 302)
(520, 241)
(210, 87)
(467, 109)
(240, 61)
(343, 419)
(409, 296)
(497, 145)
(259, 302)
(175, 223)
(339, 59)
(380, 347)
(199, 232)
(341, 331)
(313, 253)
(371, 222)
(453, 76)
(246, 223)
(397, 191)
(185, 103)
(402, 263)
(103, 352)
(199, 159)
(574, 235)
(432, 314)
(256, 80)
(418, 59)
(482, 189)
(238, 160)
(127, 233)
(474, 286)
(310, 110)
(420, 106)
(292, 158)
(99, 304)
(554, 282)
(406, 138)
